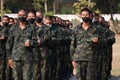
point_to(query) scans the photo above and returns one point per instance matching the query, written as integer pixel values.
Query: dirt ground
(116, 60)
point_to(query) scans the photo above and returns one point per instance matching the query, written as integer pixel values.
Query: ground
(116, 60)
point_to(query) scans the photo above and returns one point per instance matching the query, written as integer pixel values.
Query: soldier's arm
(41, 37)
(111, 37)
(33, 38)
(73, 43)
(9, 43)
(4, 34)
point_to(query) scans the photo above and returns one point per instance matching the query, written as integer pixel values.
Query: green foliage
(66, 10)
(108, 6)
(119, 7)
(75, 22)
(83, 4)
(99, 6)
(38, 4)
(49, 13)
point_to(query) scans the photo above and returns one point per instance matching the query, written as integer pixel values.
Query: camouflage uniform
(22, 56)
(104, 54)
(37, 55)
(60, 54)
(45, 53)
(8, 71)
(65, 55)
(99, 49)
(82, 52)
(110, 42)
(3, 32)
(51, 44)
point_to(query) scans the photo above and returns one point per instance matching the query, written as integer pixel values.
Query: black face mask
(38, 19)
(86, 19)
(22, 19)
(90, 20)
(5, 24)
(31, 21)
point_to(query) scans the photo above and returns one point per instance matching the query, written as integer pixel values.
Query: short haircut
(48, 17)
(39, 12)
(11, 18)
(23, 10)
(86, 9)
(5, 17)
(32, 11)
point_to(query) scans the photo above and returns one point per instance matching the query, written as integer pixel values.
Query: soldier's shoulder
(14, 26)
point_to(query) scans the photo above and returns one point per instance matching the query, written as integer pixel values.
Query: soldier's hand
(10, 62)
(39, 42)
(74, 64)
(2, 37)
(95, 39)
(27, 43)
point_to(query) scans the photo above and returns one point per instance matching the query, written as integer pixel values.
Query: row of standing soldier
(42, 51)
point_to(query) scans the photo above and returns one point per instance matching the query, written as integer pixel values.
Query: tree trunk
(89, 1)
(1, 8)
(45, 6)
(111, 13)
(54, 6)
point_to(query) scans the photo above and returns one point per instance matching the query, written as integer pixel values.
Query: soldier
(83, 38)
(110, 42)
(41, 29)
(3, 38)
(11, 22)
(46, 52)
(37, 53)
(99, 49)
(8, 70)
(39, 14)
(19, 48)
(67, 65)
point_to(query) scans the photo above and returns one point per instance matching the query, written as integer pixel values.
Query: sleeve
(73, 43)
(9, 44)
(33, 37)
(111, 38)
(41, 36)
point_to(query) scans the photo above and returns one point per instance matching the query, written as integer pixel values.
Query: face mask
(38, 19)
(90, 20)
(22, 19)
(5, 23)
(31, 21)
(10, 24)
(86, 19)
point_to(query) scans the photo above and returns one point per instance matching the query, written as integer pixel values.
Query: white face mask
(50, 25)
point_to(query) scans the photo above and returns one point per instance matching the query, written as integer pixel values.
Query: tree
(82, 4)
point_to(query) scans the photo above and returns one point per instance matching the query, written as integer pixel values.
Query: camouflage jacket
(82, 45)
(15, 47)
(3, 32)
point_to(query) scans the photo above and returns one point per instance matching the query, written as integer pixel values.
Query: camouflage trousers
(22, 70)
(36, 70)
(9, 73)
(85, 70)
(48, 68)
(2, 67)
(109, 61)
